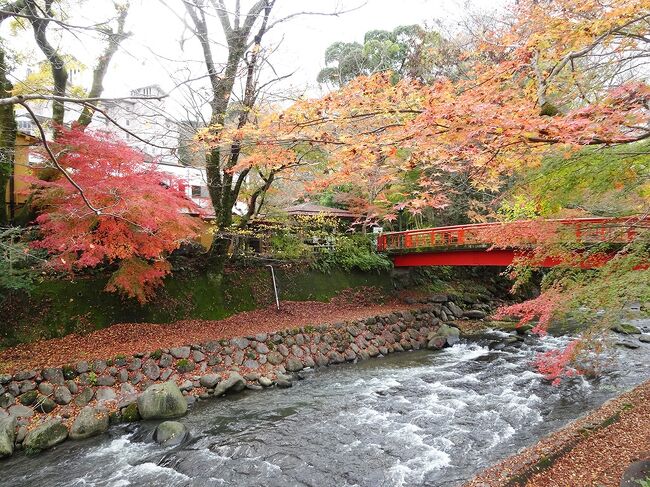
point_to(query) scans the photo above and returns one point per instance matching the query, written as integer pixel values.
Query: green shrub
(156, 354)
(289, 246)
(352, 252)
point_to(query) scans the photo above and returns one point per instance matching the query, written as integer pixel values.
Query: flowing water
(410, 419)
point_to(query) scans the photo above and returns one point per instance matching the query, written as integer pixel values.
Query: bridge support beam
(496, 257)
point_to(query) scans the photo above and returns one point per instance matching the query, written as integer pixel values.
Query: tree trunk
(8, 131)
(104, 60)
(59, 72)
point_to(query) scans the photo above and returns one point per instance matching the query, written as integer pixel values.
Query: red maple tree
(141, 213)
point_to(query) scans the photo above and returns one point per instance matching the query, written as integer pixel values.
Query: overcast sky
(150, 55)
(155, 52)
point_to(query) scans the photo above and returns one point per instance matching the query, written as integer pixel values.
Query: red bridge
(469, 245)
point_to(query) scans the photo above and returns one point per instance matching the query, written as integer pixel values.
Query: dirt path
(595, 451)
(130, 338)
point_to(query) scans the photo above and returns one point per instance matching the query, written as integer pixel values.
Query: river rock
(474, 314)
(198, 356)
(240, 342)
(105, 394)
(354, 331)
(170, 433)
(234, 382)
(82, 367)
(293, 365)
(524, 328)
(44, 404)
(122, 376)
(628, 344)
(644, 338)
(45, 388)
(99, 366)
(251, 364)
(5, 379)
(454, 309)
(151, 369)
(186, 385)
(265, 381)
(53, 375)
(275, 358)
(135, 364)
(180, 352)
(262, 348)
(166, 360)
(6, 400)
(25, 375)
(62, 395)
(20, 411)
(372, 351)
(106, 380)
(209, 380)
(27, 385)
(283, 383)
(334, 358)
(130, 413)
(438, 298)
(162, 401)
(444, 335)
(84, 397)
(7, 436)
(90, 422)
(28, 398)
(321, 360)
(626, 329)
(183, 366)
(45, 436)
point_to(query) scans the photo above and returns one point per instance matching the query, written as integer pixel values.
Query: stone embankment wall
(40, 408)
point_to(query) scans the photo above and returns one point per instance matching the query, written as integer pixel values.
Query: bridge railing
(587, 230)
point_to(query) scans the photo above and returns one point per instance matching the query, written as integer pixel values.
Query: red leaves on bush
(556, 364)
(541, 307)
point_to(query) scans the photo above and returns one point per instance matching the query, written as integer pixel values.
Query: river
(409, 419)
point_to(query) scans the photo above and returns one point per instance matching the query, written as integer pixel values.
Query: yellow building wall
(22, 169)
(206, 235)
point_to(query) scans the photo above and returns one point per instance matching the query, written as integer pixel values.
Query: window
(196, 191)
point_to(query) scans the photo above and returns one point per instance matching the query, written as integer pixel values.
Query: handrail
(463, 235)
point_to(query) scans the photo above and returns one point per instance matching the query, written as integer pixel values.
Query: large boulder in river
(7, 436)
(626, 329)
(90, 422)
(170, 433)
(45, 436)
(162, 401)
(443, 336)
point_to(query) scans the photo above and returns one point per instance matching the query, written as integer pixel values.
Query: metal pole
(275, 287)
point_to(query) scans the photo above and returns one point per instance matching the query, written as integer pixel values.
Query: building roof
(312, 209)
